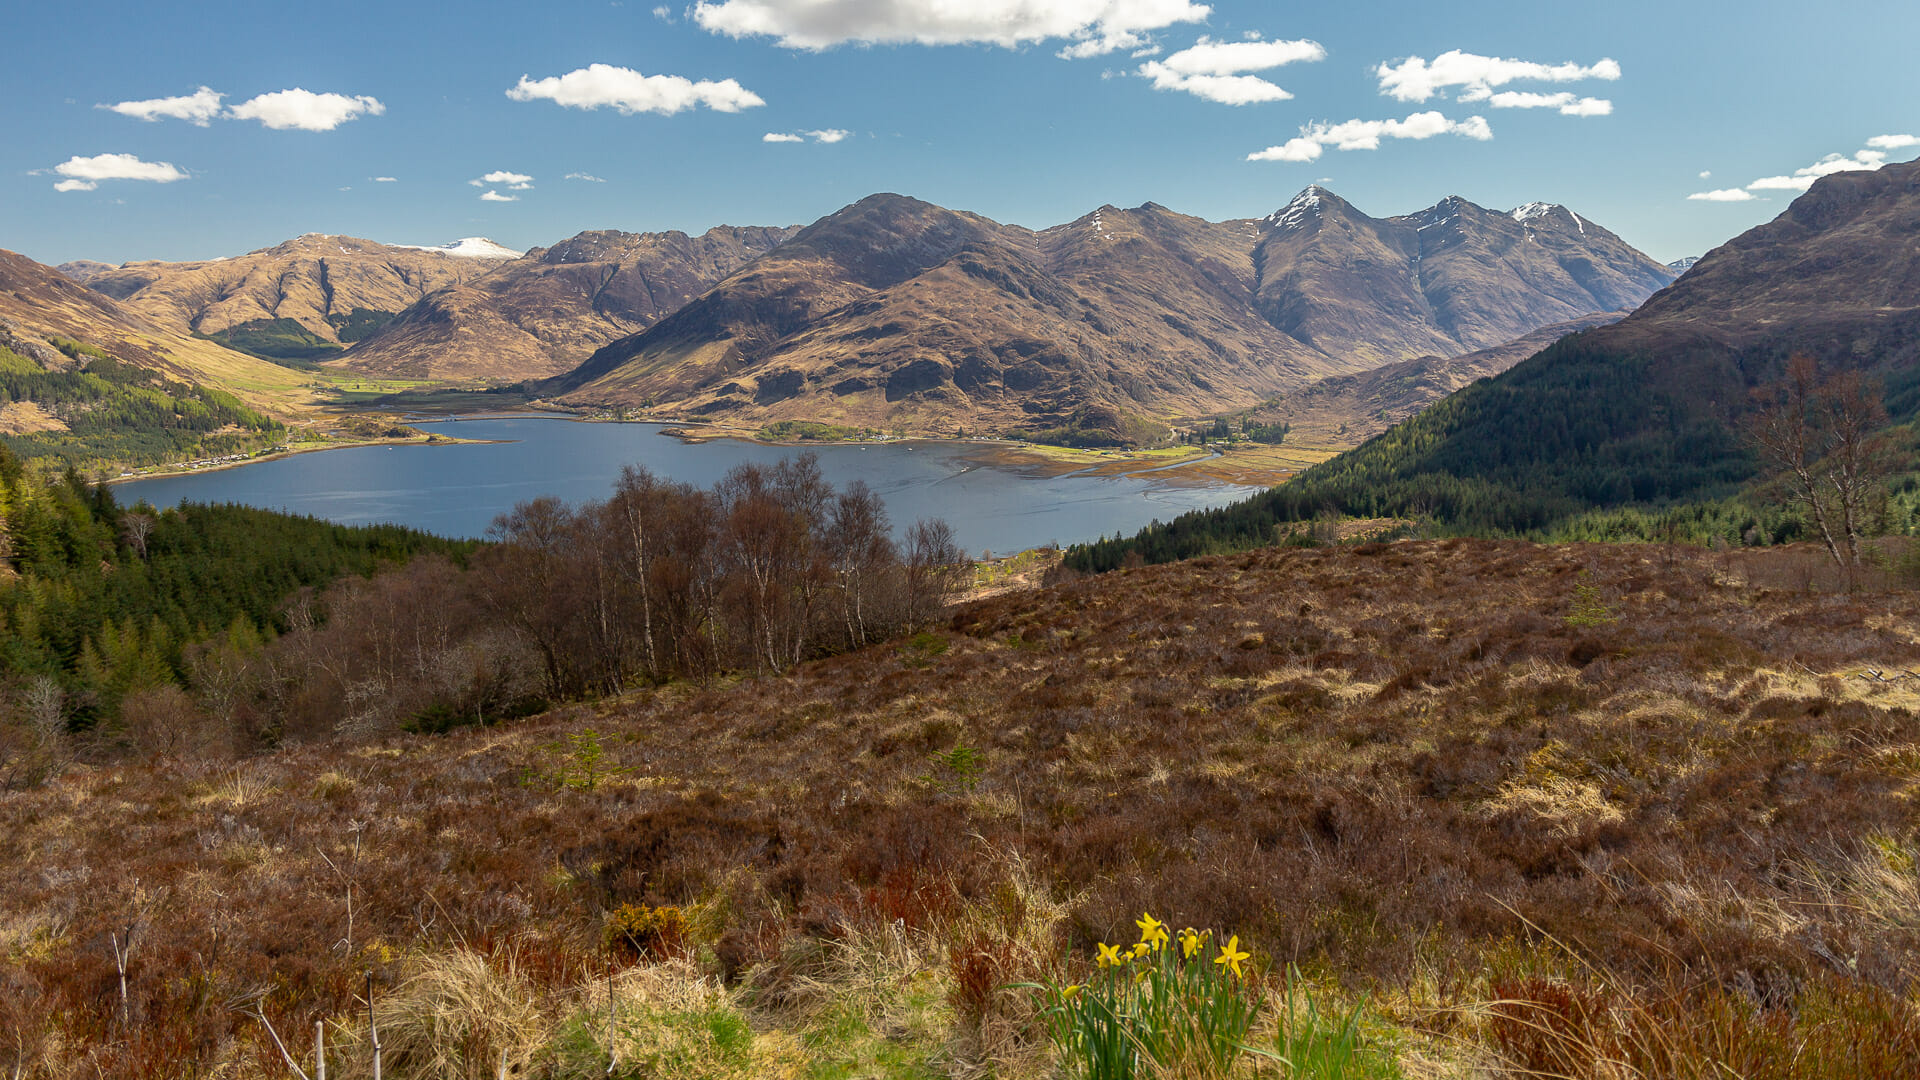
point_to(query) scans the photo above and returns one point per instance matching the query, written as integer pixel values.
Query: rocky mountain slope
(38, 303)
(896, 312)
(301, 299)
(1646, 410)
(544, 313)
(1450, 279)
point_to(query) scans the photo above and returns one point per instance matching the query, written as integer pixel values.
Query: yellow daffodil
(1071, 992)
(1230, 956)
(1152, 931)
(1190, 942)
(1141, 950)
(1110, 956)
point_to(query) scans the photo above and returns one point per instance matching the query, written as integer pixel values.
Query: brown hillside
(543, 314)
(1398, 766)
(894, 312)
(37, 302)
(1450, 279)
(306, 279)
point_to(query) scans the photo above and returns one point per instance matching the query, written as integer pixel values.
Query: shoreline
(207, 465)
(1207, 465)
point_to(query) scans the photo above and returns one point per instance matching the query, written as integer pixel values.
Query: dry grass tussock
(1584, 810)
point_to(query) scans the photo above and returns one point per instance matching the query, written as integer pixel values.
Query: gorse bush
(1159, 1007)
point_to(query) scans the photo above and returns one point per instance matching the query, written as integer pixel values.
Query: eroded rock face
(896, 312)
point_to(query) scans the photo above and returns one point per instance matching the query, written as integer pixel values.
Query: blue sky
(1028, 113)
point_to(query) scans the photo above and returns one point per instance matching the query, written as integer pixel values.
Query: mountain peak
(1304, 207)
(470, 247)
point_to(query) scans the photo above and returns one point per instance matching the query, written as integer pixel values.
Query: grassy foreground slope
(1399, 767)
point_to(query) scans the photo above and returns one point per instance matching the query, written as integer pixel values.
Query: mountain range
(894, 312)
(897, 312)
(1646, 410)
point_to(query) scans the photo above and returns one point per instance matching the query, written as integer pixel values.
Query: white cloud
(1802, 179)
(520, 181)
(1107, 43)
(1300, 149)
(305, 110)
(588, 177)
(1225, 89)
(1416, 79)
(1366, 135)
(1210, 57)
(1094, 27)
(197, 108)
(386, 179)
(494, 196)
(1705, 173)
(1568, 103)
(1893, 142)
(630, 92)
(826, 135)
(1217, 70)
(663, 13)
(1732, 194)
(85, 173)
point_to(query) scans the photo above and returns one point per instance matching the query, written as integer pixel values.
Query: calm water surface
(457, 490)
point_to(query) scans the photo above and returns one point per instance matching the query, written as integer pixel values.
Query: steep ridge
(1645, 410)
(300, 299)
(543, 313)
(894, 312)
(1450, 279)
(38, 303)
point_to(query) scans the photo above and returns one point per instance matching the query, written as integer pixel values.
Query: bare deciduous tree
(1822, 436)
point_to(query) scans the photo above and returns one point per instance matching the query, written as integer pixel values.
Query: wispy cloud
(386, 179)
(603, 85)
(1417, 79)
(825, 135)
(588, 177)
(1801, 179)
(1091, 27)
(199, 108)
(1315, 138)
(494, 196)
(86, 173)
(1217, 70)
(1568, 103)
(304, 110)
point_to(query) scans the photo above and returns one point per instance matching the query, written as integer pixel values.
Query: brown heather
(1597, 811)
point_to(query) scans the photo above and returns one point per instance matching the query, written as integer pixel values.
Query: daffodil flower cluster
(1155, 1006)
(1154, 937)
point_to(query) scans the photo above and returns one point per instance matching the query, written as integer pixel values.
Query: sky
(196, 130)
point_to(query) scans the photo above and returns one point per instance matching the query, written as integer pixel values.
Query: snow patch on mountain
(469, 247)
